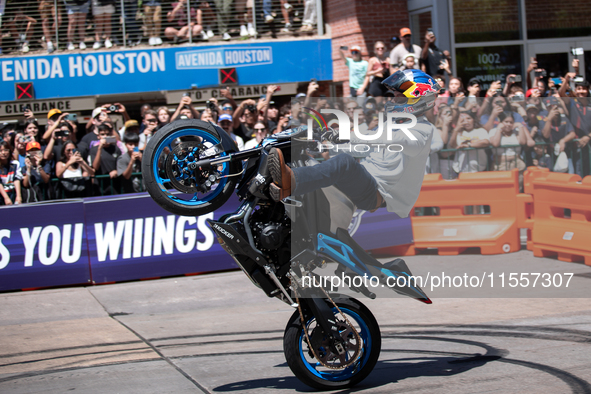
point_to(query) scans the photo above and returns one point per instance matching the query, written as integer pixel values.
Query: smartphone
(557, 81)
(344, 47)
(430, 30)
(540, 74)
(74, 151)
(111, 140)
(577, 51)
(517, 98)
(314, 80)
(136, 149)
(278, 88)
(71, 117)
(515, 79)
(27, 107)
(578, 79)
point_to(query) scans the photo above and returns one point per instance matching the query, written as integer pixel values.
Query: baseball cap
(300, 95)
(531, 106)
(405, 31)
(97, 111)
(225, 117)
(474, 81)
(131, 123)
(355, 48)
(33, 145)
(53, 112)
(410, 55)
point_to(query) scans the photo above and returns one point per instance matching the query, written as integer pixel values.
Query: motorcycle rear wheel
(172, 183)
(311, 372)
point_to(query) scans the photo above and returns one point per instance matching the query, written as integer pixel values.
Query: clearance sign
(178, 68)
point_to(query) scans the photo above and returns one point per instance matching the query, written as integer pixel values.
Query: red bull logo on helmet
(421, 89)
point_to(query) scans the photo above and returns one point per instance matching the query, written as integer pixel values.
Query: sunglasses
(263, 129)
(227, 108)
(406, 36)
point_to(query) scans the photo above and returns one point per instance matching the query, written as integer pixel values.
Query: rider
(385, 178)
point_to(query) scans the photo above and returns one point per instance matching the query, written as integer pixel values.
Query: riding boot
(282, 175)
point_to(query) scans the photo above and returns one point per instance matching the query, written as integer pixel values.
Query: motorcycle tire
(310, 371)
(165, 168)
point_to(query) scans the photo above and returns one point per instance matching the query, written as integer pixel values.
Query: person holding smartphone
(358, 81)
(130, 163)
(73, 172)
(104, 159)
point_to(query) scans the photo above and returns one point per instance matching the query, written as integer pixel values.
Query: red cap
(33, 145)
(405, 31)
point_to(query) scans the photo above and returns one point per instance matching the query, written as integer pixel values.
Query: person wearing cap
(35, 174)
(410, 61)
(99, 115)
(358, 79)
(225, 122)
(433, 58)
(406, 46)
(10, 176)
(103, 157)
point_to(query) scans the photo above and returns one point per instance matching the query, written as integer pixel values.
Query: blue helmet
(419, 89)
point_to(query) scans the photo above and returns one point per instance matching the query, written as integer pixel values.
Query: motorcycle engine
(270, 235)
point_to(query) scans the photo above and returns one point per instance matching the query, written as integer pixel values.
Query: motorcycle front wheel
(310, 370)
(171, 178)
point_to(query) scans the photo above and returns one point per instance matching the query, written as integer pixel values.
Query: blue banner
(175, 68)
(43, 245)
(133, 238)
(112, 239)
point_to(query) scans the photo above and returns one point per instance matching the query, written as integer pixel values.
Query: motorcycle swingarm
(345, 251)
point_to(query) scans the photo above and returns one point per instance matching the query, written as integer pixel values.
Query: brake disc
(181, 169)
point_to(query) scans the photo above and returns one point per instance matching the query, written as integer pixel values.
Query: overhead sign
(24, 91)
(228, 76)
(224, 57)
(43, 106)
(164, 69)
(238, 92)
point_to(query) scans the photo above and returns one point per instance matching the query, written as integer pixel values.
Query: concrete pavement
(219, 333)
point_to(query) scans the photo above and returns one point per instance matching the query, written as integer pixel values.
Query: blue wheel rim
(349, 372)
(195, 200)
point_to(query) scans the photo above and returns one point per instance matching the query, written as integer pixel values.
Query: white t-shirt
(399, 52)
(512, 139)
(471, 160)
(251, 144)
(400, 174)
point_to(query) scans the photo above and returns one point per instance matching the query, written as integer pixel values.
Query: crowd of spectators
(73, 23)
(69, 159)
(547, 124)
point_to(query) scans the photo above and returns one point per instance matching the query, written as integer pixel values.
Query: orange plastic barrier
(562, 217)
(477, 210)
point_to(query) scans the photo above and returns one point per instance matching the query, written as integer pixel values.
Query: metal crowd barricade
(22, 22)
(579, 158)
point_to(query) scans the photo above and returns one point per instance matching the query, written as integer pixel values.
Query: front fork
(317, 306)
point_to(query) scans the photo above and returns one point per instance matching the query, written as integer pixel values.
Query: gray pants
(223, 8)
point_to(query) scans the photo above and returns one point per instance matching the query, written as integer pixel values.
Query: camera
(27, 107)
(578, 79)
(517, 98)
(113, 108)
(210, 105)
(540, 74)
(344, 47)
(62, 133)
(251, 108)
(111, 140)
(515, 79)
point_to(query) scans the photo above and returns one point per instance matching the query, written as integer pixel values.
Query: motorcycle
(332, 341)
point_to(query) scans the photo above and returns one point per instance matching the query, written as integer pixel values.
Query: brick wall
(359, 22)
(551, 14)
